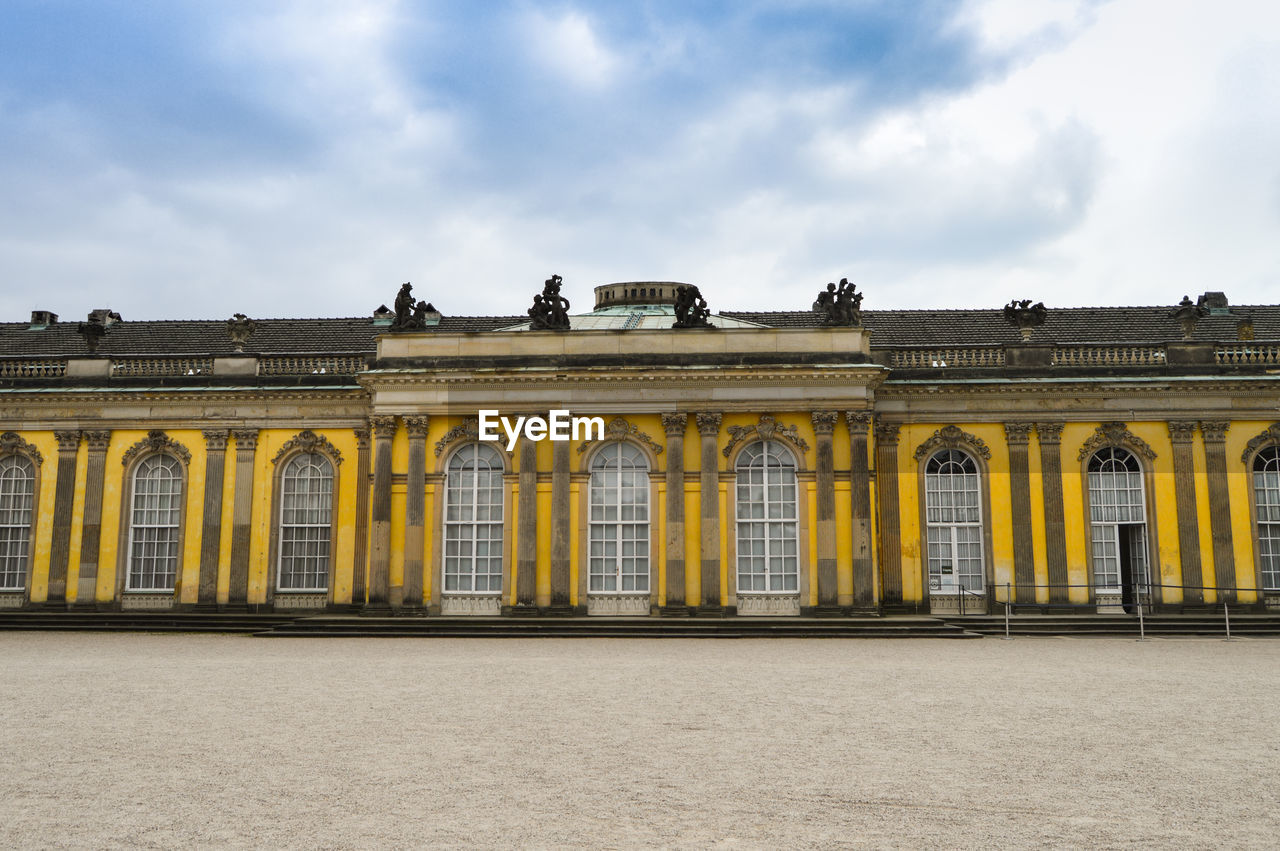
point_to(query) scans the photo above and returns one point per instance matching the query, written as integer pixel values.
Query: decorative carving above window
(619, 429)
(1271, 434)
(468, 429)
(767, 429)
(1115, 434)
(156, 441)
(309, 441)
(11, 442)
(952, 437)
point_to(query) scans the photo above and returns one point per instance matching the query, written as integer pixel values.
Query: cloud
(567, 45)
(305, 158)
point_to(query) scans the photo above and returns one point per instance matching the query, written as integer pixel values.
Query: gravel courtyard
(159, 741)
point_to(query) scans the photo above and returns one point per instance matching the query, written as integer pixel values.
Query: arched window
(473, 521)
(619, 524)
(17, 492)
(768, 560)
(1266, 491)
(153, 524)
(953, 516)
(306, 515)
(1118, 516)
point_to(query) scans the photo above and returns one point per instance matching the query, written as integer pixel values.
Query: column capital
(98, 440)
(1215, 432)
(859, 422)
(1049, 433)
(1018, 434)
(887, 432)
(216, 439)
(824, 422)
(417, 426)
(709, 424)
(674, 424)
(68, 441)
(1182, 431)
(383, 426)
(246, 438)
(362, 437)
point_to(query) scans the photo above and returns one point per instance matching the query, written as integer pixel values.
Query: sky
(300, 159)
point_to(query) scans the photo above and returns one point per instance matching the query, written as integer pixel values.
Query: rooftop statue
(550, 310)
(691, 308)
(840, 304)
(1025, 315)
(408, 315)
(240, 327)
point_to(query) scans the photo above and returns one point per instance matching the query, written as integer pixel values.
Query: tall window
(17, 490)
(1118, 515)
(153, 524)
(953, 516)
(767, 542)
(1266, 491)
(473, 521)
(306, 512)
(619, 525)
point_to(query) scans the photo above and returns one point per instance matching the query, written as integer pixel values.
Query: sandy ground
(158, 741)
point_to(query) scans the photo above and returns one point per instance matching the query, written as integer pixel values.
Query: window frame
(647, 489)
(1147, 466)
(443, 523)
(317, 445)
(799, 521)
(279, 524)
(15, 446)
(1250, 459)
(124, 554)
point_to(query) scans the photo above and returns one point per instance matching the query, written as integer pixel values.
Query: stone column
(64, 495)
(384, 429)
(560, 540)
(674, 425)
(359, 562)
(824, 422)
(1055, 523)
(215, 455)
(415, 510)
(242, 518)
(1224, 560)
(91, 529)
(527, 530)
(1018, 436)
(709, 480)
(864, 579)
(890, 523)
(1182, 436)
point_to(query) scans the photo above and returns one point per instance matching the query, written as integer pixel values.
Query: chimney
(41, 319)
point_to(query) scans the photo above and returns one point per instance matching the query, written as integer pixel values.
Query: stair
(581, 627)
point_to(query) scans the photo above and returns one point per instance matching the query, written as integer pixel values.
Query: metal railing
(1138, 602)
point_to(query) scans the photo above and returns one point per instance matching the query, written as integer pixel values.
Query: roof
(890, 328)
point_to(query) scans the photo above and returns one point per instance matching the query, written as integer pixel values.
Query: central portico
(713, 491)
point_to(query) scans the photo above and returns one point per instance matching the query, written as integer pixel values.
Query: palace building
(826, 461)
